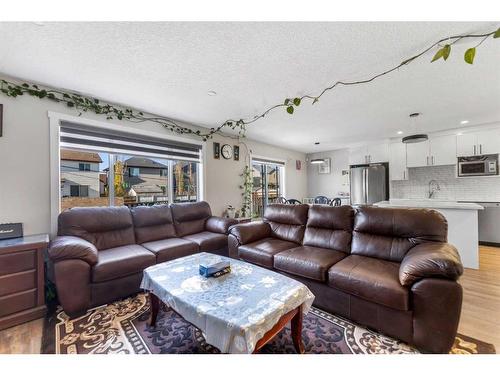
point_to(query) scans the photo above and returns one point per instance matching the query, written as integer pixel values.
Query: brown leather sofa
(101, 252)
(388, 269)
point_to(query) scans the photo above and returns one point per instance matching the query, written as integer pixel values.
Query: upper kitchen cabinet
(440, 150)
(397, 161)
(373, 153)
(479, 143)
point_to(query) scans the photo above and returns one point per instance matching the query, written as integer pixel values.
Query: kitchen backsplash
(476, 189)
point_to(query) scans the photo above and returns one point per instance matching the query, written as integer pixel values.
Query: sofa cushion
(389, 233)
(190, 218)
(287, 221)
(308, 261)
(329, 227)
(121, 261)
(375, 280)
(104, 227)
(152, 223)
(208, 241)
(262, 252)
(171, 248)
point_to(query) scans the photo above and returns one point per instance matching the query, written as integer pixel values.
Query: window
(185, 176)
(268, 183)
(79, 190)
(84, 166)
(133, 172)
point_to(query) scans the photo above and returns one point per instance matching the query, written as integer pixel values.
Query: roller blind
(267, 161)
(108, 140)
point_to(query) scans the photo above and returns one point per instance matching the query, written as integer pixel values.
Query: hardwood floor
(480, 310)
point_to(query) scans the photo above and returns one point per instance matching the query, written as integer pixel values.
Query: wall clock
(227, 151)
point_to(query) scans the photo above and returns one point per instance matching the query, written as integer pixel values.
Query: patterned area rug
(122, 327)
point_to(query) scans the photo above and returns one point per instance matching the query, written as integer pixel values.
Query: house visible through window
(84, 166)
(133, 172)
(79, 190)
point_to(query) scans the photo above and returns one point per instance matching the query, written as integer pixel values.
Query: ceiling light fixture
(211, 93)
(415, 138)
(317, 161)
(400, 132)
(463, 122)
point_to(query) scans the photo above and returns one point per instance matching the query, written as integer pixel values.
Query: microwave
(481, 165)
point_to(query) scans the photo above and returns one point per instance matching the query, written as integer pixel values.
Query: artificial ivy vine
(84, 103)
(247, 190)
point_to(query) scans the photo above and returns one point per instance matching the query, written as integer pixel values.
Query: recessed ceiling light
(400, 132)
(211, 93)
(460, 133)
(464, 122)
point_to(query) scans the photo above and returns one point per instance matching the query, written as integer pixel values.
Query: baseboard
(494, 244)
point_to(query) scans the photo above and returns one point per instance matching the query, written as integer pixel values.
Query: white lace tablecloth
(233, 311)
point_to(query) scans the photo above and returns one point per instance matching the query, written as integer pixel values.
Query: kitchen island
(462, 220)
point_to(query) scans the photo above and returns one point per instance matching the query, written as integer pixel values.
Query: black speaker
(11, 230)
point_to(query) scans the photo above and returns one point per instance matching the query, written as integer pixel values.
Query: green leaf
(296, 101)
(497, 34)
(469, 55)
(438, 55)
(287, 101)
(446, 51)
(289, 110)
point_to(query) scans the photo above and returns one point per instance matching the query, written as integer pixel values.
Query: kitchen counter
(462, 220)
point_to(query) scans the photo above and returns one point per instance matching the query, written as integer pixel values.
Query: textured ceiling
(168, 68)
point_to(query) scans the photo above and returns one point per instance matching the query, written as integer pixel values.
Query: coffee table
(237, 313)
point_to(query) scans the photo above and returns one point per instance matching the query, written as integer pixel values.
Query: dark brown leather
(372, 279)
(72, 278)
(330, 227)
(287, 221)
(232, 245)
(431, 259)
(251, 232)
(121, 261)
(208, 241)
(436, 312)
(308, 261)
(389, 233)
(219, 224)
(71, 247)
(262, 252)
(152, 223)
(190, 218)
(104, 227)
(115, 289)
(171, 248)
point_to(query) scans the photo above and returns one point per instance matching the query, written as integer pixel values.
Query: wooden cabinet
(22, 279)
(397, 161)
(479, 143)
(373, 153)
(440, 150)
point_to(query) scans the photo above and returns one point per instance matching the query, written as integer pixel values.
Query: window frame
(55, 119)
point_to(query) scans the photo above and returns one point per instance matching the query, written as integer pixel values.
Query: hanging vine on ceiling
(83, 103)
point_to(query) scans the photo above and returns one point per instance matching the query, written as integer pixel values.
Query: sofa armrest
(219, 224)
(430, 259)
(70, 247)
(251, 232)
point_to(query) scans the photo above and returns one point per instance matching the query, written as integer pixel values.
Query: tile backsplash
(478, 189)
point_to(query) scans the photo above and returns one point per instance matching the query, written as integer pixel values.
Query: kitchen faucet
(433, 187)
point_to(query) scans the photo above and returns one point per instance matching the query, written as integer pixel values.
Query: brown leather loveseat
(101, 252)
(388, 269)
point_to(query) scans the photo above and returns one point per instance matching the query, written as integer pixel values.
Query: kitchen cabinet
(373, 153)
(440, 150)
(479, 143)
(397, 161)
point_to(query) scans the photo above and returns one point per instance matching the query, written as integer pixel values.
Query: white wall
(25, 173)
(328, 184)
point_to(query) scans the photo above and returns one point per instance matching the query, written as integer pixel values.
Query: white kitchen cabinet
(443, 150)
(373, 153)
(436, 151)
(479, 143)
(397, 161)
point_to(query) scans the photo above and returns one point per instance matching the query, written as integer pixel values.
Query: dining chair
(281, 200)
(293, 201)
(336, 202)
(321, 199)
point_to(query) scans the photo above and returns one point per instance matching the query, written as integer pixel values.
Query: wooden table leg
(155, 306)
(297, 331)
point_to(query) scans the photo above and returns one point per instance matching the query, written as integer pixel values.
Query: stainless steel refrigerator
(369, 183)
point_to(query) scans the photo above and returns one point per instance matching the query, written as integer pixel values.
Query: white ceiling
(168, 68)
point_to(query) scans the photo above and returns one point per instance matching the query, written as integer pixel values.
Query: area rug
(122, 327)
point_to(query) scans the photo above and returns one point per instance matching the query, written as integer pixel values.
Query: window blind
(112, 141)
(267, 161)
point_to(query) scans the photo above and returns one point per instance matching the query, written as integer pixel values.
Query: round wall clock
(227, 151)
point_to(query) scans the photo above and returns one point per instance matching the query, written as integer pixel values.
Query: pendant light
(415, 138)
(317, 161)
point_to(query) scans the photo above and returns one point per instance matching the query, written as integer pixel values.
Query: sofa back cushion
(152, 223)
(190, 218)
(104, 227)
(287, 221)
(389, 233)
(330, 227)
